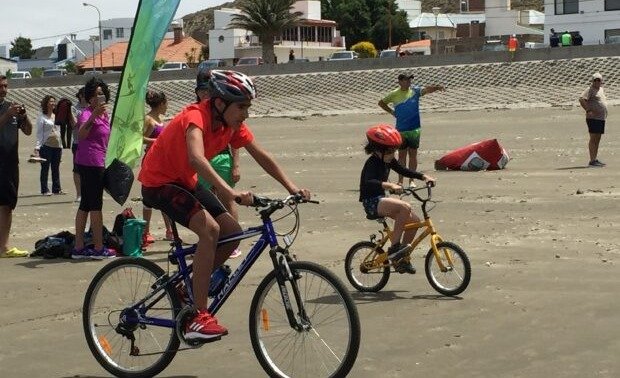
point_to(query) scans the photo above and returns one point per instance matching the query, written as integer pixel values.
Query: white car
(173, 66)
(344, 55)
(21, 75)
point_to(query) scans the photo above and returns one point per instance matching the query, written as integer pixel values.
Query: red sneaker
(204, 327)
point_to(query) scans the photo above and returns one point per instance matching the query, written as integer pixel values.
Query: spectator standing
(577, 39)
(513, 44)
(554, 39)
(405, 108)
(13, 118)
(567, 39)
(76, 111)
(49, 146)
(291, 56)
(594, 102)
(153, 126)
(64, 118)
(93, 137)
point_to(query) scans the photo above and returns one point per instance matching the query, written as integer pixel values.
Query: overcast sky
(45, 21)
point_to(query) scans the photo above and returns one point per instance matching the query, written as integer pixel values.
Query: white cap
(597, 76)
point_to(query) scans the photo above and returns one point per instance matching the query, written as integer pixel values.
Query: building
(314, 39)
(179, 48)
(598, 21)
(7, 65)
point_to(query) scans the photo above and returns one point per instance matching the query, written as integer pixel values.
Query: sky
(45, 21)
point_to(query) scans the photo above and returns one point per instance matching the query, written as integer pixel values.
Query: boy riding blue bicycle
(169, 180)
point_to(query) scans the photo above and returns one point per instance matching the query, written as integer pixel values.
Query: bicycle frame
(136, 313)
(429, 230)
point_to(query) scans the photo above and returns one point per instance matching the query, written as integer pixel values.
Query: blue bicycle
(303, 321)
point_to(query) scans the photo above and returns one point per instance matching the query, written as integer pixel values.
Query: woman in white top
(49, 146)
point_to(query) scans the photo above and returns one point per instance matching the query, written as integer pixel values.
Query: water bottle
(218, 279)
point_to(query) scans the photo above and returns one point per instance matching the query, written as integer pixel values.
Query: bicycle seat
(378, 218)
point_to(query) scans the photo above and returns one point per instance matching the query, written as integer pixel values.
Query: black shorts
(91, 187)
(9, 184)
(595, 126)
(181, 204)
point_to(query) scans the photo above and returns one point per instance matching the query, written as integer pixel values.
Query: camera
(22, 110)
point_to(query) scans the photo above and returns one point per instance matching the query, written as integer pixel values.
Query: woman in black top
(383, 140)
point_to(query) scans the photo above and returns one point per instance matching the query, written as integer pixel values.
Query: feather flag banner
(153, 18)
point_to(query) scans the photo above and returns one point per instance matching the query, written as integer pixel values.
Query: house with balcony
(598, 21)
(314, 38)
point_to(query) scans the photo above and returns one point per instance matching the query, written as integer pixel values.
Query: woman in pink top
(93, 136)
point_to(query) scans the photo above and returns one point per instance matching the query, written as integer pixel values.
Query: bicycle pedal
(200, 342)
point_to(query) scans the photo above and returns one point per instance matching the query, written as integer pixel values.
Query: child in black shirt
(383, 140)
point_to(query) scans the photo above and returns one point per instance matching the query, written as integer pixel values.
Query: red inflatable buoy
(484, 155)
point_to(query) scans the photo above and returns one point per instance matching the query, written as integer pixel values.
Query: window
(325, 34)
(612, 5)
(612, 36)
(107, 33)
(290, 34)
(120, 33)
(307, 33)
(567, 6)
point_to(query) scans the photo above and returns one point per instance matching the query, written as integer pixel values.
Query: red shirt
(167, 161)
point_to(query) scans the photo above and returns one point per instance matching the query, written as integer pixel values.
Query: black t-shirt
(376, 171)
(8, 138)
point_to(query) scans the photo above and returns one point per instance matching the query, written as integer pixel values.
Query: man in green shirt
(567, 39)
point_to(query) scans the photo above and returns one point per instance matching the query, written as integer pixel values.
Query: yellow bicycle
(446, 265)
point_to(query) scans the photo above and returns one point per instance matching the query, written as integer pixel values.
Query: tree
(70, 66)
(267, 19)
(21, 47)
(401, 31)
(352, 16)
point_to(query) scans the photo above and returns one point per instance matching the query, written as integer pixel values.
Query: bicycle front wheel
(323, 343)
(455, 276)
(115, 288)
(361, 269)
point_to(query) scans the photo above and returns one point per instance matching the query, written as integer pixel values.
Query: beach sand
(541, 236)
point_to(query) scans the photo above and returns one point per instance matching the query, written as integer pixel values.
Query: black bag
(54, 246)
(117, 180)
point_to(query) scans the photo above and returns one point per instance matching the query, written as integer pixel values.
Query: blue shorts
(371, 205)
(595, 126)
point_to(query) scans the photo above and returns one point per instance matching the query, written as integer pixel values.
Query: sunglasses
(597, 80)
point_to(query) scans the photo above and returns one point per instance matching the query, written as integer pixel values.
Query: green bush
(365, 49)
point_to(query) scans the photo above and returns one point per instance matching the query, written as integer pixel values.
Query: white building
(502, 20)
(596, 20)
(314, 38)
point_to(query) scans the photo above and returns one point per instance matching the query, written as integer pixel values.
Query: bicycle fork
(283, 275)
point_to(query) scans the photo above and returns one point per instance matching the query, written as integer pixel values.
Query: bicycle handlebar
(261, 201)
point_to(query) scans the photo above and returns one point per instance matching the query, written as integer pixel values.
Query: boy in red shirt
(180, 154)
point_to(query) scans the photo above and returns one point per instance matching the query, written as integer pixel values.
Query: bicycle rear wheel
(116, 287)
(327, 343)
(359, 267)
(455, 278)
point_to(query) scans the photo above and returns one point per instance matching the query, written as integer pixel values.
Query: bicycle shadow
(35, 262)
(106, 376)
(391, 295)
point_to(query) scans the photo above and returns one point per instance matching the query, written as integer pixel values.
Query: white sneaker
(236, 253)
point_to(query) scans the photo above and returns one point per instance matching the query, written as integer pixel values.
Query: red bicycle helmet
(231, 86)
(384, 135)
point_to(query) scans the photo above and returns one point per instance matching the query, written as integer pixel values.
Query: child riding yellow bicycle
(383, 140)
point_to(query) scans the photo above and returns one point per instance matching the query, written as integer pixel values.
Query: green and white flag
(153, 18)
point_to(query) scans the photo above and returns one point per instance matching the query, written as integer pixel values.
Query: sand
(541, 235)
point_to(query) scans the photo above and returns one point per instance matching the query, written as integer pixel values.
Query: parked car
(494, 45)
(173, 66)
(21, 75)
(613, 39)
(388, 54)
(343, 55)
(250, 61)
(92, 73)
(211, 64)
(54, 72)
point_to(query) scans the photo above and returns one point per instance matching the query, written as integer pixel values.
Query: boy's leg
(398, 210)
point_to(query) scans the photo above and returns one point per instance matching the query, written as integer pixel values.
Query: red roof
(114, 55)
